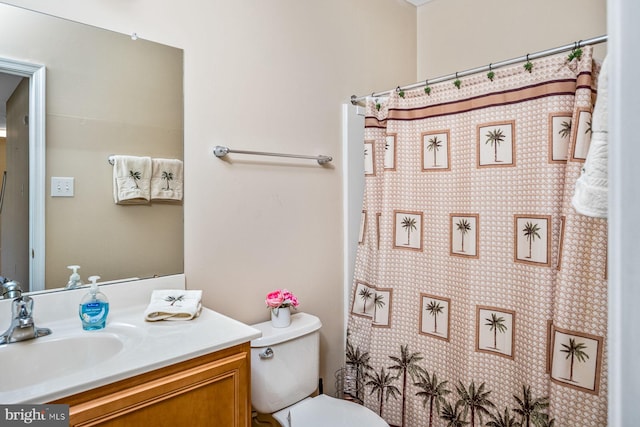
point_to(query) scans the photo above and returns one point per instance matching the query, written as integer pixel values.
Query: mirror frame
(37, 85)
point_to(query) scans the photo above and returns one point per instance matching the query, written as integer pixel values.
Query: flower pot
(280, 317)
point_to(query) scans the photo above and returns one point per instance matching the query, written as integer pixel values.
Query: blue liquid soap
(94, 308)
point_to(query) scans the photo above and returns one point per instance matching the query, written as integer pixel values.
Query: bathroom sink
(38, 360)
(71, 360)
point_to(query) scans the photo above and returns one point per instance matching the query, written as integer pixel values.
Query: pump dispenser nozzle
(94, 285)
(74, 279)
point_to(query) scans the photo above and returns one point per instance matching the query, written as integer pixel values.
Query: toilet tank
(288, 372)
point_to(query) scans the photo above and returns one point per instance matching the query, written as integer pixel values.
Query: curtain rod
(595, 40)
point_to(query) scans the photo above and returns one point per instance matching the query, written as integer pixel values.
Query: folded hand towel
(591, 192)
(131, 179)
(174, 304)
(166, 179)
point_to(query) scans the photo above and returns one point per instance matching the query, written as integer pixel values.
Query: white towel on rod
(174, 304)
(591, 192)
(131, 179)
(166, 179)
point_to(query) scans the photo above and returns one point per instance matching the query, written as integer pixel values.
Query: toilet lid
(323, 411)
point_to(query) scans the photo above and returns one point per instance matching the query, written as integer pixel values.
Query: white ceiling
(418, 2)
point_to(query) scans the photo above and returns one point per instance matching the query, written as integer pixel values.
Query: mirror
(104, 93)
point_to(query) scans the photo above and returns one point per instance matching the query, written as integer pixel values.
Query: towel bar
(221, 151)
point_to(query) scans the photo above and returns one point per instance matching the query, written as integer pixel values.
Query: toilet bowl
(284, 374)
(324, 411)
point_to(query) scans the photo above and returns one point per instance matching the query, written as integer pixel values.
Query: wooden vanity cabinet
(208, 391)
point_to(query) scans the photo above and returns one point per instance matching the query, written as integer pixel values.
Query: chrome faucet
(22, 325)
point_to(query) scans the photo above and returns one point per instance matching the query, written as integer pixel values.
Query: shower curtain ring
(491, 75)
(528, 65)
(427, 89)
(457, 83)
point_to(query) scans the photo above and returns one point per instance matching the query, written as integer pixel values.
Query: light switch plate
(61, 186)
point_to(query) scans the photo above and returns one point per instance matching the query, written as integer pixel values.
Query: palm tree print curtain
(480, 295)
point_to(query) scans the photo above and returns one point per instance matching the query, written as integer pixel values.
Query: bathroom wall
(455, 35)
(267, 76)
(624, 209)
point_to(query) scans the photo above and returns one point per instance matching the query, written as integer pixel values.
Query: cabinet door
(213, 393)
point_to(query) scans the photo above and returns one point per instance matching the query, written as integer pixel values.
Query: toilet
(284, 373)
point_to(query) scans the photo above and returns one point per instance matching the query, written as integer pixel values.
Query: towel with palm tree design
(131, 179)
(174, 304)
(166, 179)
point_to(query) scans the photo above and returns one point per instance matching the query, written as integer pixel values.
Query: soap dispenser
(74, 279)
(94, 307)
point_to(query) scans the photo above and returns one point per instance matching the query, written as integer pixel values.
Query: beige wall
(105, 94)
(267, 76)
(455, 35)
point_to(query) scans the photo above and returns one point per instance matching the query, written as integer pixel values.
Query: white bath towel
(174, 304)
(166, 179)
(590, 197)
(131, 179)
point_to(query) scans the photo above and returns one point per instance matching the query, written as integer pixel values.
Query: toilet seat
(323, 411)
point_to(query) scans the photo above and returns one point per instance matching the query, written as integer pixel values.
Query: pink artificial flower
(289, 298)
(281, 298)
(274, 299)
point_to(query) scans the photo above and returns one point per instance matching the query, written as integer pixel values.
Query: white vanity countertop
(147, 346)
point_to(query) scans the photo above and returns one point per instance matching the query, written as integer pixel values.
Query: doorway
(14, 169)
(34, 191)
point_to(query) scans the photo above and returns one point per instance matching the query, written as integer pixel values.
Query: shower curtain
(480, 295)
